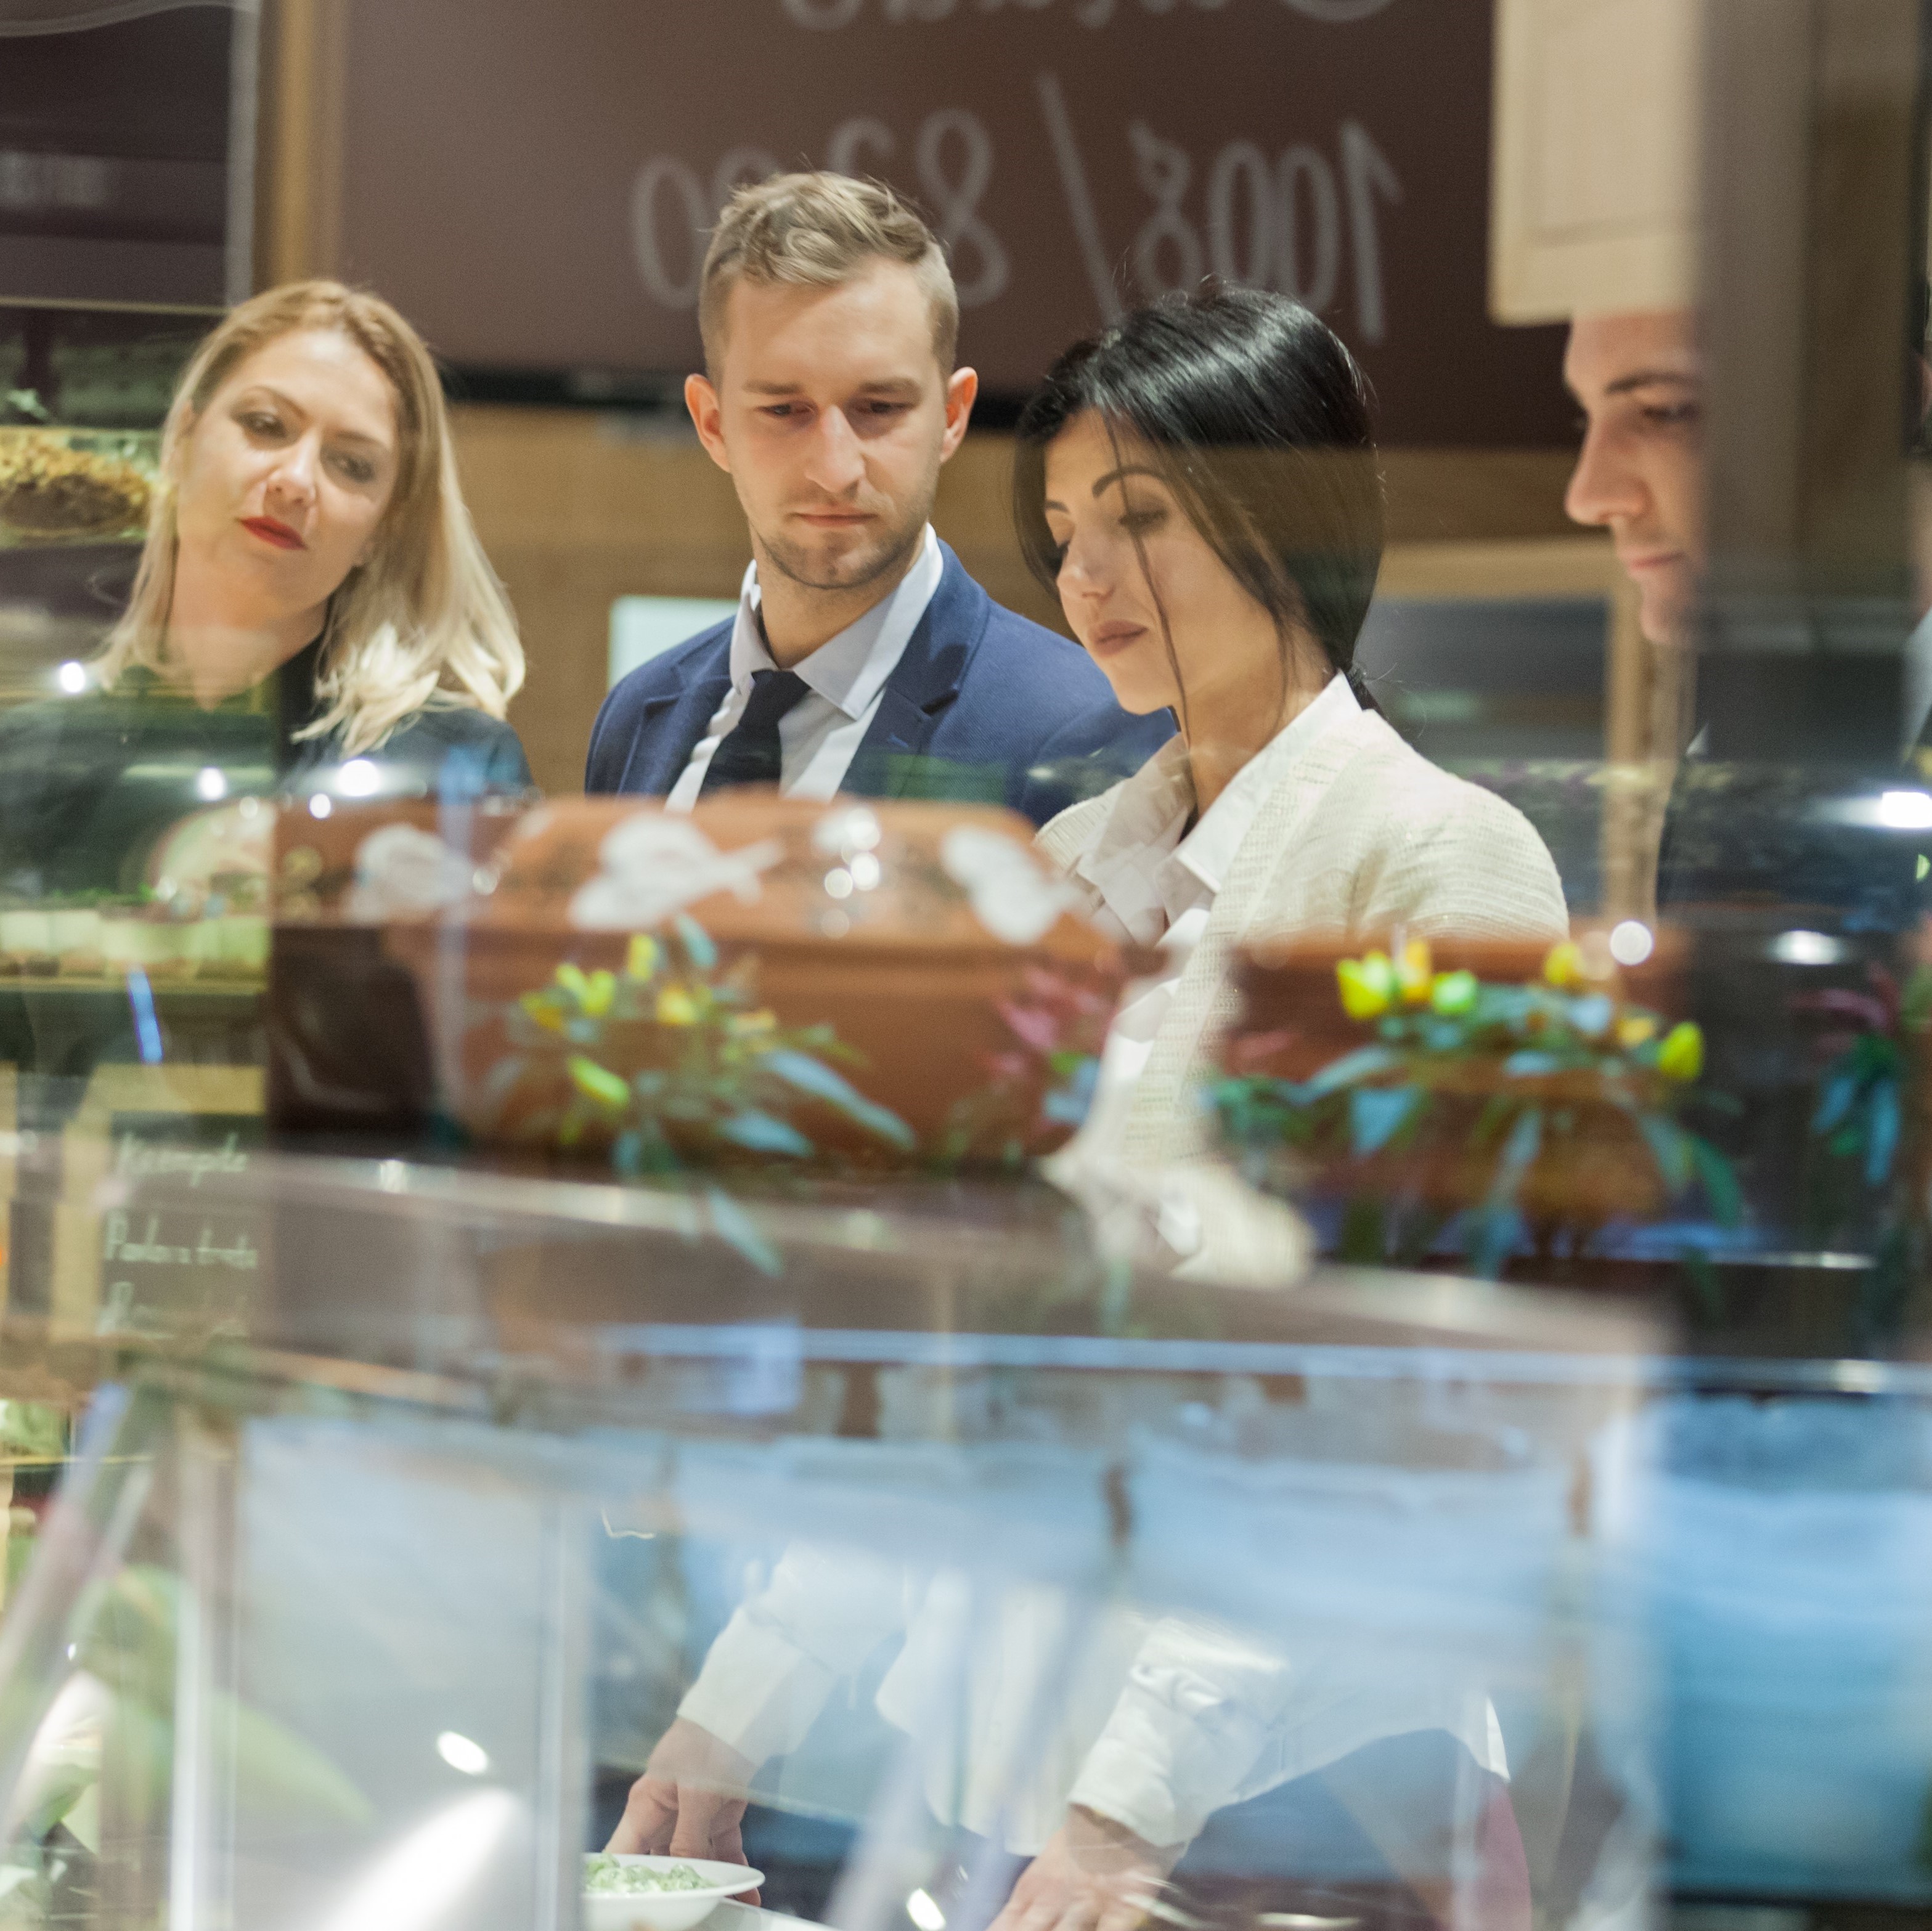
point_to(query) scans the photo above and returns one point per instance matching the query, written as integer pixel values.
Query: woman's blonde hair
(424, 622)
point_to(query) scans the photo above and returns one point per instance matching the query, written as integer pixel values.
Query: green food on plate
(602, 1873)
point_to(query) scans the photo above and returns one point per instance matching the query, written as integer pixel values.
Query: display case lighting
(1905, 810)
(1807, 948)
(1631, 942)
(358, 778)
(461, 1752)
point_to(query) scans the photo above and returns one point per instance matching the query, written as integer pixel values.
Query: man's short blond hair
(817, 231)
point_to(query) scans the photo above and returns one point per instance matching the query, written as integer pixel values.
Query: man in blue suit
(862, 658)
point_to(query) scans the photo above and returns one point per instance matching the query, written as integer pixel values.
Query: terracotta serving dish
(858, 982)
(1599, 1167)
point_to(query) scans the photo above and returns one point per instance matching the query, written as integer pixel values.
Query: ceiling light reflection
(456, 1749)
(414, 1883)
(1905, 810)
(1807, 948)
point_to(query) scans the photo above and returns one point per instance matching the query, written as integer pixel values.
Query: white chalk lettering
(138, 1159)
(149, 1251)
(239, 1254)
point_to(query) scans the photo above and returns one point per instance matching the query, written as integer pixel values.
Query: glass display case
(377, 1612)
(375, 1586)
(811, 1339)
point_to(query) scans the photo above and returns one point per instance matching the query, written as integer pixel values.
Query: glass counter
(542, 1328)
(375, 1584)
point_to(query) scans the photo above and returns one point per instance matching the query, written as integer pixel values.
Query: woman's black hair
(1258, 418)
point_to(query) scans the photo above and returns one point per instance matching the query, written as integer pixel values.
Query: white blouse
(1157, 880)
(1149, 869)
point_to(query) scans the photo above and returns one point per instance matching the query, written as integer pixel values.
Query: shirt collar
(1209, 849)
(849, 669)
(1149, 812)
(1146, 863)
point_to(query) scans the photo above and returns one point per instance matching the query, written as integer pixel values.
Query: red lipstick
(271, 532)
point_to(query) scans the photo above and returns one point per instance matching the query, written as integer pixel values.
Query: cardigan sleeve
(1475, 870)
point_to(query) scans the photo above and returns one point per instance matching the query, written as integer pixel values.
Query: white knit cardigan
(1363, 836)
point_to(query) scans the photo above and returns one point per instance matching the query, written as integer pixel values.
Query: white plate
(667, 1910)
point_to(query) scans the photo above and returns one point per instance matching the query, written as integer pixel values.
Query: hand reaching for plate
(1093, 1875)
(690, 1802)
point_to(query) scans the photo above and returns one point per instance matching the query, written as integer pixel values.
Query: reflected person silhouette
(1744, 835)
(1082, 1747)
(1639, 475)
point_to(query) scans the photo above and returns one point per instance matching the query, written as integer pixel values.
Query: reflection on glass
(1264, 1266)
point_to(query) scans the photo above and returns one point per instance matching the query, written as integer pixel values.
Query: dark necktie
(749, 753)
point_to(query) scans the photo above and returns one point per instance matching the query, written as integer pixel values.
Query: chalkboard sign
(533, 184)
(126, 140)
(170, 1265)
(150, 1238)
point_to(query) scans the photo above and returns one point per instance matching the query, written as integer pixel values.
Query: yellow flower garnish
(1565, 965)
(641, 960)
(1681, 1055)
(1415, 971)
(1367, 985)
(1454, 993)
(1634, 1028)
(598, 1083)
(537, 1006)
(599, 989)
(676, 1007)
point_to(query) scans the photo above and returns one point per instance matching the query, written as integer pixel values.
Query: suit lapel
(926, 679)
(671, 726)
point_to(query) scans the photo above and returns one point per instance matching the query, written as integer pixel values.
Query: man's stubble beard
(1669, 617)
(856, 568)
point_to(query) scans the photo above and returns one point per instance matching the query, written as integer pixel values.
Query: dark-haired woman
(1198, 483)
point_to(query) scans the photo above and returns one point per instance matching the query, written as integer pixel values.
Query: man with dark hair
(1639, 475)
(1731, 835)
(862, 658)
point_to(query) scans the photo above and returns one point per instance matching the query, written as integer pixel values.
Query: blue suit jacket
(983, 706)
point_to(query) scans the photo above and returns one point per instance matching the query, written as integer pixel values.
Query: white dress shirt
(1155, 1721)
(1150, 869)
(821, 735)
(1157, 880)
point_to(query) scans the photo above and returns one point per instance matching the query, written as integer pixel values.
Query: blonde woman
(311, 593)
